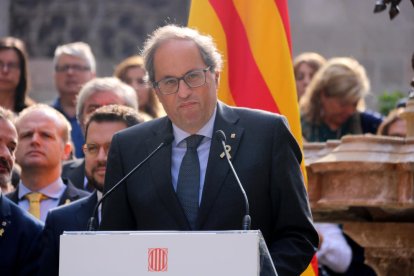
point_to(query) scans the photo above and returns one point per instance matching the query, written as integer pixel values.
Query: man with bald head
(44, 142)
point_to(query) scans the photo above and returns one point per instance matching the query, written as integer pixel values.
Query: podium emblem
(157, 259)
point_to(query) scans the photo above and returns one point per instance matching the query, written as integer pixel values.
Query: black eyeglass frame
(155, 84)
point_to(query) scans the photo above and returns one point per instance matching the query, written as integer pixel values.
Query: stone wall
(114, 29)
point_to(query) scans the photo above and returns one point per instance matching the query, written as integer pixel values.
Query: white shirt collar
(206, 130)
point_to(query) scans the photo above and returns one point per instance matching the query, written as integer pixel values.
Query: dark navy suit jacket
(71, 217)
(267, 159)
(19, 240)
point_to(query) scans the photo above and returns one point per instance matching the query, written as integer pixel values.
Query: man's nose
(184, 90)
(36, 137)
(102, 154)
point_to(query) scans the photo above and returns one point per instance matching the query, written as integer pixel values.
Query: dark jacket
(71, 217)
(267, 158)
(19, 240)
(74, 170)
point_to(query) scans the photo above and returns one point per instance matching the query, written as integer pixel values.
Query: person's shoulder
(370, 115)
(246, 112)
(66, 210)
(22, 219)
(73, 163)
(72, 192)
(71, 167)
(143, 128)
(370, 121)
(260, 118)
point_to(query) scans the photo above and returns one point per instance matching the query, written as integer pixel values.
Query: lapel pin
(233, 135)
(228, 149)
(67, 201)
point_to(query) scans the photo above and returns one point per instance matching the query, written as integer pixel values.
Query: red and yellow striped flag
(254, 38)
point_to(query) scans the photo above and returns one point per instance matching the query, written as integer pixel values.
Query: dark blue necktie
(188, 184)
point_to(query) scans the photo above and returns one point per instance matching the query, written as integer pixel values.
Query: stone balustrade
(366, 183)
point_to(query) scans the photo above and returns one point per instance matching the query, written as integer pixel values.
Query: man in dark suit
(43, 145)
(100, 127)
(184, 67)
(94, 94)
(19, 232)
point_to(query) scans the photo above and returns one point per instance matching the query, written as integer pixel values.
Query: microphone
(221, 137)
(92, 224)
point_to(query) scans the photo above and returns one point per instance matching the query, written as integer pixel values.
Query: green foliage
(387, 101)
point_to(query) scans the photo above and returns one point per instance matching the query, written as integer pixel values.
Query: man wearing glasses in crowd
(188, 185)
(74, 66)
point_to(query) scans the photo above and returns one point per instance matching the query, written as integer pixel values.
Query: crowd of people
(56, 160)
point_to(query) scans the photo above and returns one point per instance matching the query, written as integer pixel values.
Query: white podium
(176, 253)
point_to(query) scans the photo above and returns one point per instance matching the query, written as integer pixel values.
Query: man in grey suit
(184, 68)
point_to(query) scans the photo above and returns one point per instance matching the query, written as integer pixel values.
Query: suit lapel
(217, 168)
(160, 165)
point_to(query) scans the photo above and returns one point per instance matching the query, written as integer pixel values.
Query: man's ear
(67, 150)
(217, 78)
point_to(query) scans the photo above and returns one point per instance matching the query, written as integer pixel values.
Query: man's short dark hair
(114, 113)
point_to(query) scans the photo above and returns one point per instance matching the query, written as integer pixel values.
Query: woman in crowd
(132, 72)
(14, 75)
(329, 110)
(305, 66)
(333, 103)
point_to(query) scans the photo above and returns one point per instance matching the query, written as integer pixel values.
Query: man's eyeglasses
(193, 79)
(11, 66)
(93, 149)
(73, 67)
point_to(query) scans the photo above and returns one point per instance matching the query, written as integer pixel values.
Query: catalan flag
(254, 38)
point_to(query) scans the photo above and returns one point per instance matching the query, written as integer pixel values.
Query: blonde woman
(332, 104)
(132, 72)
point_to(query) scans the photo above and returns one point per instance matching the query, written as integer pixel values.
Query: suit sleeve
(116, 213)
(49, 259)
(30, 248)
(295, 238)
